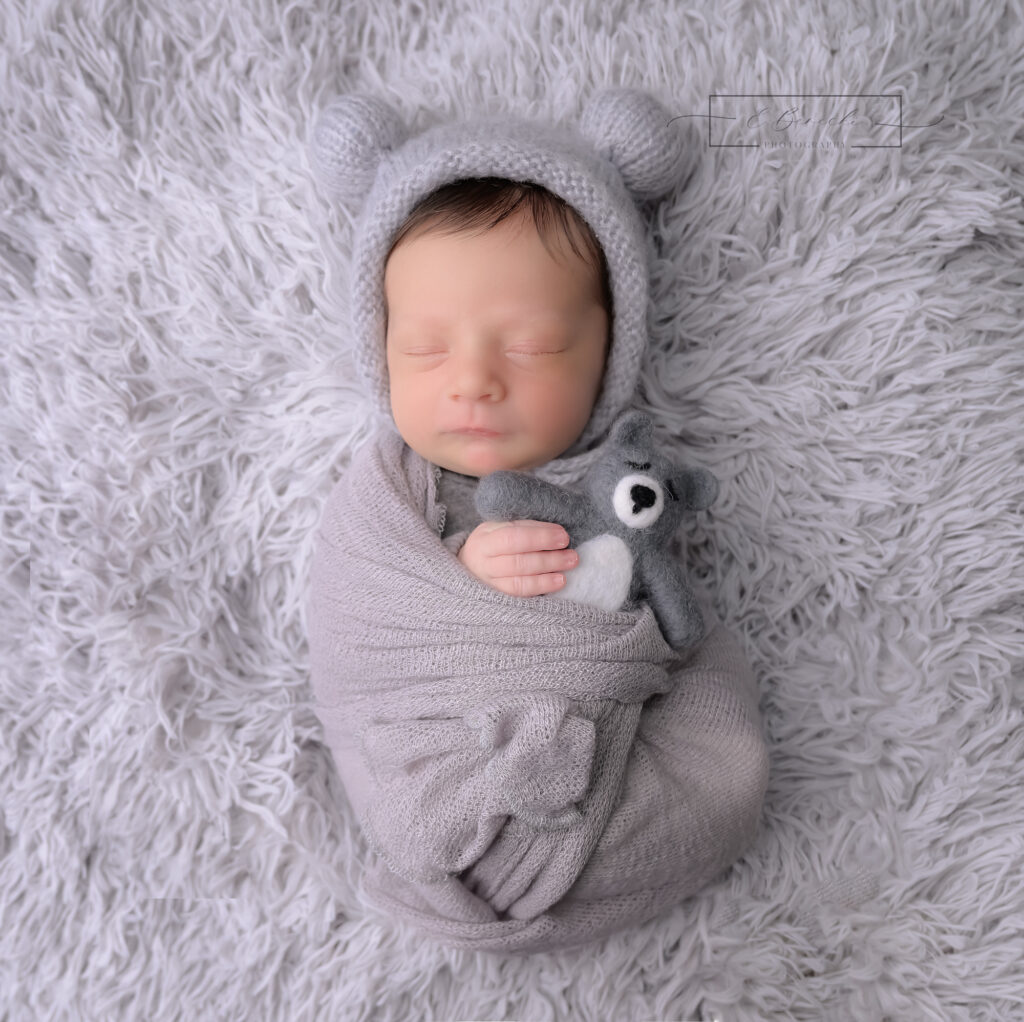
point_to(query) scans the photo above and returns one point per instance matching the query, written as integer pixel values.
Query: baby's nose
(476, 379)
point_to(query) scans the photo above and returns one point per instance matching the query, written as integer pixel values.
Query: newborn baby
(529, 773)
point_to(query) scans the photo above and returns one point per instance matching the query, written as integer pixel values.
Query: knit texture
(529, 773)
(625, 141)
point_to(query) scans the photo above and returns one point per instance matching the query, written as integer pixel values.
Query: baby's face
(495, 348)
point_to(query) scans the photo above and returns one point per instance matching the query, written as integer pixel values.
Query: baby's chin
(482, 466)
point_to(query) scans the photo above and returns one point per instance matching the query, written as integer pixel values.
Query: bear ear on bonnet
(350, 139)
(628, 127)
(631, 129)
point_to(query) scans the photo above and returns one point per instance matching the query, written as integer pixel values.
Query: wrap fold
(491, 745)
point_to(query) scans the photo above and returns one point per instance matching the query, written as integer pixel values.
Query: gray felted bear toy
(631, 503)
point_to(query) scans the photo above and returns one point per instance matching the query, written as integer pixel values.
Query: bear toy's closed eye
(621, 520)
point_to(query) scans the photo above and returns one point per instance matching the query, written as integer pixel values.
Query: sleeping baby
(528, 772)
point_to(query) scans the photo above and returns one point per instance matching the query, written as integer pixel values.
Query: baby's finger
(529, 585)
(533, 563)
(524, 536)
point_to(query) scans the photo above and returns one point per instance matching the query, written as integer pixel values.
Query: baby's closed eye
(535, 349)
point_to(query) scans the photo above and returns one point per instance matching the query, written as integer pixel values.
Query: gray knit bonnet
(625, 148)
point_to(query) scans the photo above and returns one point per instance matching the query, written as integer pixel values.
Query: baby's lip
(475, 431)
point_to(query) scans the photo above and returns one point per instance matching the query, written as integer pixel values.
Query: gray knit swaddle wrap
(529, 773)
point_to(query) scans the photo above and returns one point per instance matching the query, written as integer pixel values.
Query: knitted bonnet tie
(625, 148)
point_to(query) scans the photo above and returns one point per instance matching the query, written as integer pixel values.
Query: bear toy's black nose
(642, 497)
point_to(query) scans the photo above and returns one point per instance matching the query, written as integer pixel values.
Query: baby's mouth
(476, 431)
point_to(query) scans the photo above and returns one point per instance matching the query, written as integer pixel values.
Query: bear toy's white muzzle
(638, 500)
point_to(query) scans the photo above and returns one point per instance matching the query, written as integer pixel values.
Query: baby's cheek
(562, 407)
(578, 392)
(411, 404)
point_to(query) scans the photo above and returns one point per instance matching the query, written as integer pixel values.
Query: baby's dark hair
(480, 203)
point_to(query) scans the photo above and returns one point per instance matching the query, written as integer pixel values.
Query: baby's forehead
(571, 254)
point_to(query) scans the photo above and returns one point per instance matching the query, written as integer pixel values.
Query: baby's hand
(522, 558)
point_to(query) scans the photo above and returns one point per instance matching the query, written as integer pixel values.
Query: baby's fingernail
(559, 581)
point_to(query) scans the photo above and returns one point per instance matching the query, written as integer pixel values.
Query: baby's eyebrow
(535, 318)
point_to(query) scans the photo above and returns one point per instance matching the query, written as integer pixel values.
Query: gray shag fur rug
(837, 336)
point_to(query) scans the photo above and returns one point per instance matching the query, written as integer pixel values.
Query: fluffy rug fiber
(837, 335)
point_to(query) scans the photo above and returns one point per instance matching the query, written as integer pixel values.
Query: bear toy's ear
(351, 137)
(697, 488)
(634, 131)
(634, 429)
